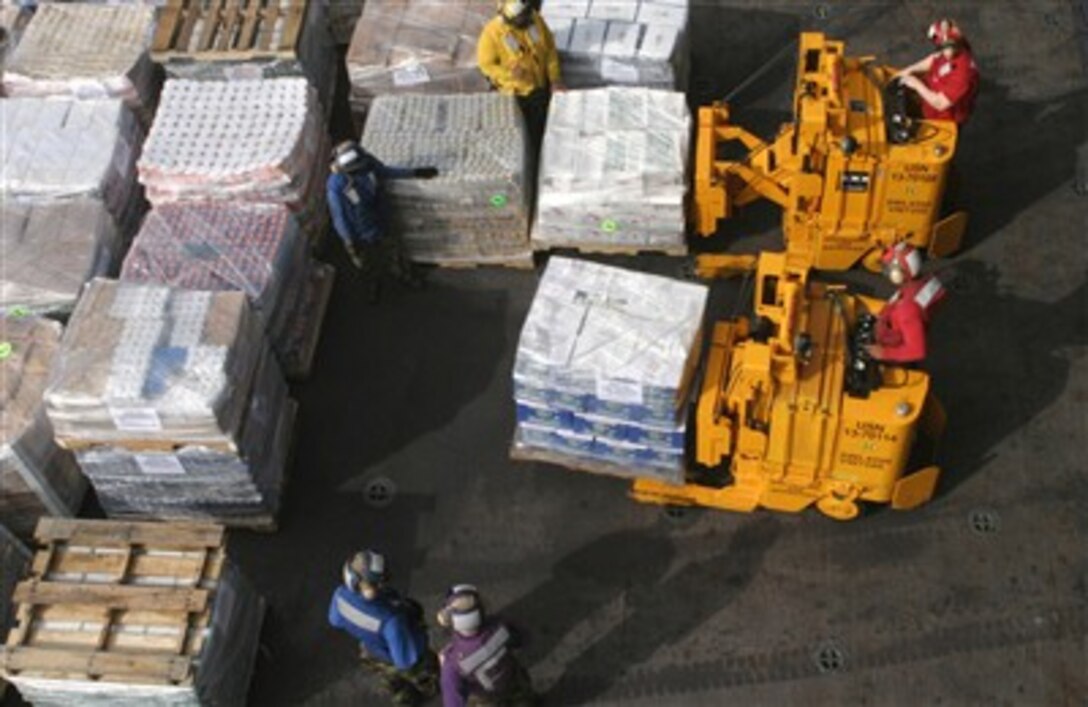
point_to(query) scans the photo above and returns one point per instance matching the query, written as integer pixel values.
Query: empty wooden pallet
(123, 611)
(228, 30)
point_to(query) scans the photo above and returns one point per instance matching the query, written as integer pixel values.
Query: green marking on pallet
(18, 311)
(5, 349)
(498, 200)
(609, 225)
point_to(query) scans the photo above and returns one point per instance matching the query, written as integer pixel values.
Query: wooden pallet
(525, 453)
(130, 612)
(228, 30)
(607, 249)
(514, 262)
(115, 601)
(147, 445)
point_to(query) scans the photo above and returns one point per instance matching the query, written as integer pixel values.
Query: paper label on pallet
(159, 464)
(617, 391)
(136, 419)
(410, 75)
(243, 72)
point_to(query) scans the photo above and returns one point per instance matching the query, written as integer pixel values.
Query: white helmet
(463, 610)
(901, 262)
(365, 566)
(511, 10)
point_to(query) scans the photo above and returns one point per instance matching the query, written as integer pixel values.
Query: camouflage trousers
(519, 693)
(405, 687)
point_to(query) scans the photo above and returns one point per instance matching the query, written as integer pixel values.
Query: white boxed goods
(603, 369)
(50, 249)
(65, 148)
(416, 46)
(477, 209)
(620, 42)
(86, 51)
(254, 140)
(613, 170)
(37, 477)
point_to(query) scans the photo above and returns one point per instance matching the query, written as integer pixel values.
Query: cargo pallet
(126, 610)
(613, 249)
(228, 30)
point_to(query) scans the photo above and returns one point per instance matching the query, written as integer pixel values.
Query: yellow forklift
(853, 172)
(795, 411)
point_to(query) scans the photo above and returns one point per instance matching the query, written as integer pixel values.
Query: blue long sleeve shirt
(383, 626)
(355, 201)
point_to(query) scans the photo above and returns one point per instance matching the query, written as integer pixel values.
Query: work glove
(426, 172)
(356, 259)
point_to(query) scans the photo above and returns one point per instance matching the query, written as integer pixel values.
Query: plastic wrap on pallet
(416, 46)
(13, 18)
(50, 249)
(604, 363)
(254, 248)
(621, 42)
(198, 483)
(37, 478)
(14, 562)
(65, 148)
(614, 170)
(151, 364)
(478, 207)
(257, 140)
(86, 51)
(219, 57)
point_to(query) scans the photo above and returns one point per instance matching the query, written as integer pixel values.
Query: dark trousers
(518, 693)
(535, 109)
(405, 687)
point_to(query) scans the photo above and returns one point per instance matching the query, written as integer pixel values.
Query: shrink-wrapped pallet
(50, 249)
(253, 248)
(179, 624)
(614, 170)
(620, 42)
(416, 46)
(152, 366)
(37, 477)
(477, 209)
(13, 20)
(65, 148)
(255, 40)
(257, 140)
(86, 51)
(196, 482)
(603, 368)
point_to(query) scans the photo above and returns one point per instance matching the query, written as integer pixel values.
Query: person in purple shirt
(478, 666)
(354, 192)
(393, 641)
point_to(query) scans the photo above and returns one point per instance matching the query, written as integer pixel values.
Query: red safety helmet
(904, 259)
(945, 33)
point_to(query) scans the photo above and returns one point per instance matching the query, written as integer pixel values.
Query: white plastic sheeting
(614, 169)
(604, 363)
(620, 42)
(478, 207)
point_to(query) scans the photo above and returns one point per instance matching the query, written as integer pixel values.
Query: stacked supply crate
(145, 614)
(603, 369)
(173, 404)
(477, 209)
(207, 40)
(254, 248)
(51, 249)
(65, 161)
(86, 51)
(621, 42)
(37, 478)
(416, 46)
(13, 20)
(614, 171)
(258, 140)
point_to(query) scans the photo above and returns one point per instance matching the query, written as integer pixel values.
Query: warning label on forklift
(870, 430)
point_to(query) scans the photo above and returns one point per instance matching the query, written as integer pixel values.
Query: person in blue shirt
(392, 636)
(358, 209)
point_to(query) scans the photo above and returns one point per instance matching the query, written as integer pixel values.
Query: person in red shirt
(901, 325)
(950, 82)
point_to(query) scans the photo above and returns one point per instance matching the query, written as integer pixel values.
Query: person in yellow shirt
(516, 52)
